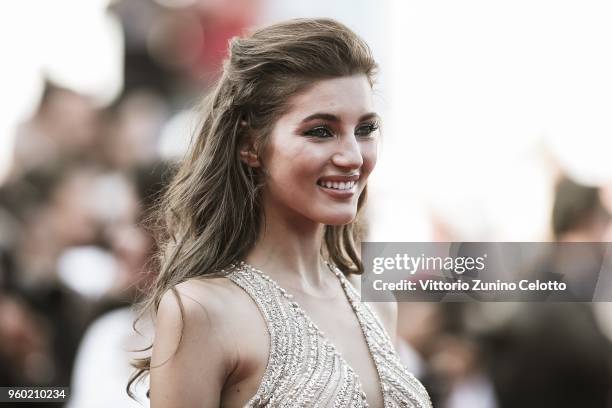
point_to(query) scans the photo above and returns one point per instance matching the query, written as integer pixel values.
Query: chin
(338, 219)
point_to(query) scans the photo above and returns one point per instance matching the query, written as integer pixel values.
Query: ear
(248, 153)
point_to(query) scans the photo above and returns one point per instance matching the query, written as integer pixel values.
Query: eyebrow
(333, 118)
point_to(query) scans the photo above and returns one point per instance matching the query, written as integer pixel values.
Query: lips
(340, 177)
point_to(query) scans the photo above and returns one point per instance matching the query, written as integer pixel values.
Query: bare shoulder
(386, 311)
(201, 301)
(193, 352)
(214, 293)
(214, 303)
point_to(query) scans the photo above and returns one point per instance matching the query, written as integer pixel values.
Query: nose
(348, 154)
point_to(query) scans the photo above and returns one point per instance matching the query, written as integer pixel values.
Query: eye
(320, 131)
(367, 129)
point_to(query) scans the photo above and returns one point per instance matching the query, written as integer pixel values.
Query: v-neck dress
(305, 369)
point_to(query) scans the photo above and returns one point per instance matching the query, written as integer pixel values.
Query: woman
(254, 304)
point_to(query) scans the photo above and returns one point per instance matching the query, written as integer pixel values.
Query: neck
(289, 250)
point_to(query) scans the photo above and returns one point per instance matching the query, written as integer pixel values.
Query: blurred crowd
(510, 354)
(75, 247)
(74, 244)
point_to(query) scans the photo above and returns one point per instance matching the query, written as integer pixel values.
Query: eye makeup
(324, 131)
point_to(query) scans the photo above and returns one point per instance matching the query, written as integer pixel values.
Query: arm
(192, 372)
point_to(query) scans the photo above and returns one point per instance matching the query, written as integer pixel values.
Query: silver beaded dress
(305, 369)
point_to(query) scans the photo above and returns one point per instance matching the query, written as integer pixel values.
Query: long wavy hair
(211, 214)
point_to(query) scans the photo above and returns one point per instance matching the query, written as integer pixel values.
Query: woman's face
(321, 152)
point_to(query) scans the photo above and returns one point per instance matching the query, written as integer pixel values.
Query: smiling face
(321, 152)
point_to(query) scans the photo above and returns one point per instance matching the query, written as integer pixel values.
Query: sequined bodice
(305, 369)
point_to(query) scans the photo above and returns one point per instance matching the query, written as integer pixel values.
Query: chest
(340, 328)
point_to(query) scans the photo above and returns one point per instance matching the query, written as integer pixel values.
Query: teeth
(338, 185)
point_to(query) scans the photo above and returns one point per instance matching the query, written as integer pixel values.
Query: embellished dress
(305, 369)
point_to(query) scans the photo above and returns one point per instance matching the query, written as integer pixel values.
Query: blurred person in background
(458, 360)
(102, 365)
(50, 213)
(176, 51)
(449, 354)
(65, 127)
(437, 344)
(131, 131)
(261, 150)
(26, 355)
(578, 214)
(24, 344)
(555, 354)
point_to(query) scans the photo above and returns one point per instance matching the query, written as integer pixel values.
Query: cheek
(369, 152)
(293, 165)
